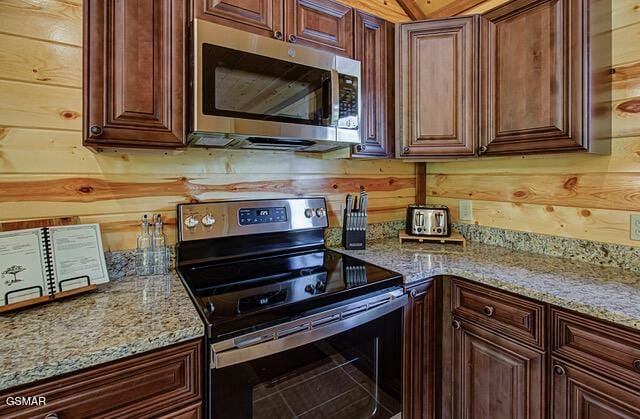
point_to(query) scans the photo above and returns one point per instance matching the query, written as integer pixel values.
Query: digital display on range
(249, 216)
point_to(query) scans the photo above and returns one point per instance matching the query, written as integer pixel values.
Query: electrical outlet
(465, 210)
(635, 226)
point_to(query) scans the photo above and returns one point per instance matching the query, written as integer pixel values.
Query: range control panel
(208, 220)
(250, 216)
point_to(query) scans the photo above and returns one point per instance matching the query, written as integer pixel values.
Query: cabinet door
(420, 352)
(495, 378)
(437, 90)
(374, 49)
(581, 395)
(531, 91)
(264, 17)
(134, 73)
(324, 24)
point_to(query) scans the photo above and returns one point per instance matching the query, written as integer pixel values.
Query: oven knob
(309, 212)
(191, 222)
(439, 230)
(309, 289)
(320, 212)
(208, 220)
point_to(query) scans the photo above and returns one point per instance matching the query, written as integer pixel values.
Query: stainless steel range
(293, 329)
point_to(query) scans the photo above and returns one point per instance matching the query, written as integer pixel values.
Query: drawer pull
(488, 310)
(456, 324)
(52, 416)
(558, 370)
(636, 364)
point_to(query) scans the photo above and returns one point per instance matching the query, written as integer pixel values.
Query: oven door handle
(268, 344)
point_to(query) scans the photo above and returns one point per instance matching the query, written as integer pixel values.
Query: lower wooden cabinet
(578, 394)
(420, 366)
(165, 383)
(495, 377)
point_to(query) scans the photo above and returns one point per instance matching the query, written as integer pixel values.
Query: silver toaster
(428, 220)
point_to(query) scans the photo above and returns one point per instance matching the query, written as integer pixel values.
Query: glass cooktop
(239, 297)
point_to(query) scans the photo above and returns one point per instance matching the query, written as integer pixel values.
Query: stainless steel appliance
(250, 91)
(293, 329)
(428, 220)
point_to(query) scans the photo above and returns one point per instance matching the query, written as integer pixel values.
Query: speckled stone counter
(122, 318)
(604, 292)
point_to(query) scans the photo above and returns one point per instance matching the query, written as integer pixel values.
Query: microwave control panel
(349, 100)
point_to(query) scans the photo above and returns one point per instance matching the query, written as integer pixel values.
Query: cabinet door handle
(293, 39)
(360, 148)
(52, 416)
(636, 364)
(278, 35)
(406, 149)
(488, 310)
(456, 324)
(96, 130)
(483, 149)
(559, 370)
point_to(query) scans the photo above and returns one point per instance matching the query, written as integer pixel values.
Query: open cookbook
(43, 261)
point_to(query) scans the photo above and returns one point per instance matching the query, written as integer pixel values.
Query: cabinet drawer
(141, 386)
(511, 316)
(602, 347)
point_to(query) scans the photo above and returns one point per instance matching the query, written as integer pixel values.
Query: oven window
(250, 86)
(355, 374)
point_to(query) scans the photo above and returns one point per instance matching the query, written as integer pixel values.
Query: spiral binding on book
(48, 260)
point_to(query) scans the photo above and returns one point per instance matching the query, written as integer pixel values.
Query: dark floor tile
(318, 390)
(272, 407)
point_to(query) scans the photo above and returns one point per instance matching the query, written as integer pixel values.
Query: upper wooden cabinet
(536, 71)
(374, 49)
(134, 73)
(264, 17)
(437, 88)
(323, 24)
(540, 84)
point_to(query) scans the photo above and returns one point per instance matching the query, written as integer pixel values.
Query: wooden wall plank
(52, 20)
(625, 157)
(591, 190)
(626, 45)
(53, 195)
(31, 151)
(608, 226)
(36, 61)
(37, 106)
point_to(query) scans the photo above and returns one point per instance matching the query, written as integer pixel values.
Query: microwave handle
(335, 98)
(265, 345)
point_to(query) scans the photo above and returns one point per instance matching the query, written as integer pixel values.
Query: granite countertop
(122, 318)
(606, 293)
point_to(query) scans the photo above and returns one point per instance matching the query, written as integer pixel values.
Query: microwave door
(239, 84)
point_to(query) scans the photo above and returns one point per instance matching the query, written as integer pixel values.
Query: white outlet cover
(635, 227)
(465, 210)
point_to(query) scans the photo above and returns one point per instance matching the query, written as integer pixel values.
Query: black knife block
(352, 239)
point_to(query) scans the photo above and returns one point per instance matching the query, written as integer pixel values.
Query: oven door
(347, 368)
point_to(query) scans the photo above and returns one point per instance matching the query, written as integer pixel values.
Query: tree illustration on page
(13, 270)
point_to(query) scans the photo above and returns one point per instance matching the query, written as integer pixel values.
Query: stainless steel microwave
(250, 91)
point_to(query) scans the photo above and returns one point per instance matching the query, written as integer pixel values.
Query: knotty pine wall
(579, 196)
(45, 171)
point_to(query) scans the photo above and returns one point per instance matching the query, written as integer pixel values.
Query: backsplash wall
(45, 171)
(577, 196)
